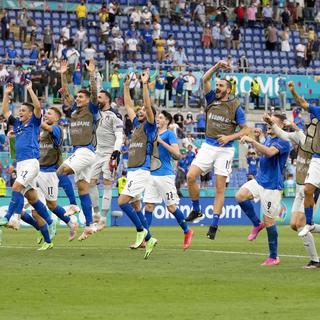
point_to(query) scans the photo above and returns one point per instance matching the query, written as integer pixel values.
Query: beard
(220, 94)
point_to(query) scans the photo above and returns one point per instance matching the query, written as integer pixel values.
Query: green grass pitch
(101, 278)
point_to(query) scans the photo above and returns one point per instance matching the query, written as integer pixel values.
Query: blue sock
(148, 216)
(59, 212)
(144, 222)
(30, 220)
(45, 232)
(196, 205)
(65, 183)
(130, 212)
(86, 206)
(247, 208)
(16, 204)
(42, 211)
(273, 241)
(309, 215)
(180, 219)
(215, 220)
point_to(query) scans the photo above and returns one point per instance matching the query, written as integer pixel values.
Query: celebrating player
(161, 185)
(266, 187)
(109, 141)
(224, 115)
(141, 149)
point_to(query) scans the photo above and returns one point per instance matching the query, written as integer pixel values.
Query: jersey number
(169, 195)
(228, 162)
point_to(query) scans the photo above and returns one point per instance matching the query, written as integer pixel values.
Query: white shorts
(217, 158)
(27, 172)
(270, 199)
(48, 183)
(298, 203)
(81, 162)
(136, 183)
(161, 188)
(101, 165)
(313, 175)
(159, 94)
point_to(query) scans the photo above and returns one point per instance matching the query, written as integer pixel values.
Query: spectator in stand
(200, 13)
(240, 13)
(189, 141)
(5, 26)
(81, 12)
(146, 39)
(227, 33)
(223, 11)
(180, 59)
(179, 120)
(89, 53)
(40, 79)
(146, 16)
(104, 31)
(128, 127)
(72, 55)
(284, 36)
(43, 59)
(220, 19)
(190, 81)
(308, 54)
(165, 7)
(76, 79)
(267, 14)
(243, 64)
(34, 54)
(109, 55)
(252, 15)
(201, 123)
(132, 44)
(299, 121)
(169, 81)
(80, 38)
(18, 80)
(300, 54)
(182, 169)
(190, 155)
(115, 30)
(118, 44)
(59, 48)
(236, 37)
(171, 43)
(12, 55)
(253, 162)
(65, 32)
(316, 49)
(285, 17)
(216, 35)
(255, 91)
(33, 33)
(135, 17)
(187, 15)
(23, 24)
(160, 89)
(161, 51)
(47, 40)
(206, 36)
(132, 32)
(189, 123)
(103, 13)
(115, 83)
(271, 37)
(179, 91)
(282, 84)
(114, 10)
(156, 30)
(125, 153)
(134, 80)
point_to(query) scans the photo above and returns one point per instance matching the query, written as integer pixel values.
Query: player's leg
(150, 198)
(94, 194)
(106, 202)
(138, 208)
(148, 212)
(66, 184)
(248, 192)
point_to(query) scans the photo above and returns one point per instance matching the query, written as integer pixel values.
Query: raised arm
(127, 99)
(299, 100)
(93, 83)
(35, 101)
(146, 97)
(207, 77)
(267, 151)
(5, 102)
(64, 82)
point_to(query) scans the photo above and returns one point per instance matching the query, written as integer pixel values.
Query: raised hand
(9, 88)
(266, 118)
(291, 85)
(91, 66)
(63, 66)
(145, 76)
(28, 84)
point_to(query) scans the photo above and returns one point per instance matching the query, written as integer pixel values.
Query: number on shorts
(228, 162)
(50, 191)
(269, 205)
(23, 174)
(129, 184)
(169, 195)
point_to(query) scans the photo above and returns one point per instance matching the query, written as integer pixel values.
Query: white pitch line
(158, 249)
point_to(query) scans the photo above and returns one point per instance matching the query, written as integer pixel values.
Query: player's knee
(172, 208)
(191, 177)
(16, 187)
(308, 190)
(51, 205)
(149, 207)
(122, 200)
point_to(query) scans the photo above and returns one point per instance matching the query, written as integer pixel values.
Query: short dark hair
(29, 105)
(167, 115)
(280, 116)
(85, 92)
(56, 110)
(229, 84)
(107, 94)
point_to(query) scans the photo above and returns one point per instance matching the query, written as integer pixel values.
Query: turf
(102, 279)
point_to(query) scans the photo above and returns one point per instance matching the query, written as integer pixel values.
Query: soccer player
(312, 145)
(26, 131)
(51, 139)
(83, 121)
(141, 149)
(298, 219)
(161, 184)
(223, 116)
(266, 187)
(66, 185)
(109, 141)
